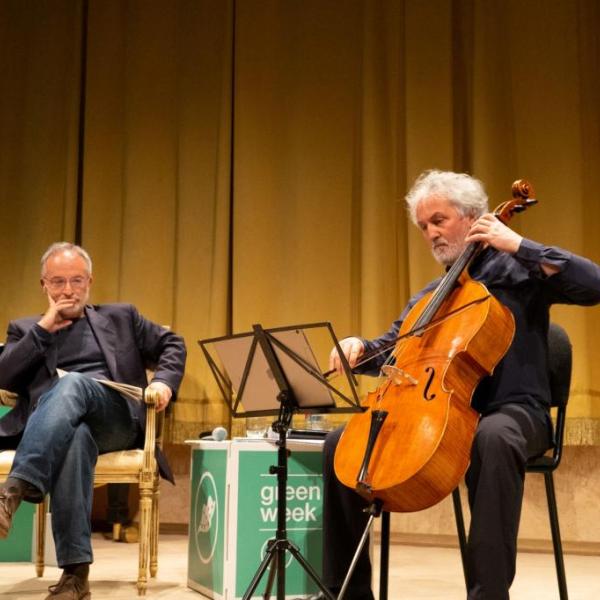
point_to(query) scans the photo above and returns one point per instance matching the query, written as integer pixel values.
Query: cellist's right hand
(352, 347)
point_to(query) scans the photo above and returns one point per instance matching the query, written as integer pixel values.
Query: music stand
(274, 372)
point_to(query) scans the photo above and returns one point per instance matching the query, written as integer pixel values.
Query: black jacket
(130, 344)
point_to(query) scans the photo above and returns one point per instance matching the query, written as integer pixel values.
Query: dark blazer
(130, 344)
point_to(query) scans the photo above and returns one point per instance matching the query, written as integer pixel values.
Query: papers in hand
(131, 392)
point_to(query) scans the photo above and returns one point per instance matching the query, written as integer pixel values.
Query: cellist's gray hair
(462, 190)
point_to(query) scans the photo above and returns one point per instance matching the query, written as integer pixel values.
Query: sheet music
(261, 390)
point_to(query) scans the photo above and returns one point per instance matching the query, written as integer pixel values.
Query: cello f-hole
(431, 372)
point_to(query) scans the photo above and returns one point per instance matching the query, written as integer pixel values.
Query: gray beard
(447, 255)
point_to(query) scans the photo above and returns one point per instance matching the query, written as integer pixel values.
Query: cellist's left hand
(493, 232)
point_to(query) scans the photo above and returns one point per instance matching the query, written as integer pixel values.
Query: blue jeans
(74, 422)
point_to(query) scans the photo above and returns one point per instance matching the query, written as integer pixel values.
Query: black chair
(560, 362)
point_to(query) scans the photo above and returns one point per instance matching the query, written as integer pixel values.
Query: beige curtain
(157, 174)
(39, 120)
(246, 161)
(538, 117)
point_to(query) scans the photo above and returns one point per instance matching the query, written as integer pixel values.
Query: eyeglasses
(57, 284)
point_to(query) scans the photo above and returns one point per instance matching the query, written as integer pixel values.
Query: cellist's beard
(446, 252)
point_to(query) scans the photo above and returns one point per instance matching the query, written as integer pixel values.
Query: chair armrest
(151, 399)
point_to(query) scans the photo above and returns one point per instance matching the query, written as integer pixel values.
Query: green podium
(17, 546)
(233, 514)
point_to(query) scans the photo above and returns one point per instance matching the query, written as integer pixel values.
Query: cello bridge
(398, 376)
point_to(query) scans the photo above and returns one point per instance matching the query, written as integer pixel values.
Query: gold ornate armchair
(126, 466)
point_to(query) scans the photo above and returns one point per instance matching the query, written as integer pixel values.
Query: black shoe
(11, 494)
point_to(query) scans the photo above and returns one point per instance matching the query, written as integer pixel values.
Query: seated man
(64, 423)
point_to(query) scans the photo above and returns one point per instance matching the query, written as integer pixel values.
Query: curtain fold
(39, 116)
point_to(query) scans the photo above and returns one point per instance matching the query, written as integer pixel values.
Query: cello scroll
(523, 196)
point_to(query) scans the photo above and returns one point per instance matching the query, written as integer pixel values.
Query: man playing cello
(451, 210)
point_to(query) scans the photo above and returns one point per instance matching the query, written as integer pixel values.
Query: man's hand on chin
(53, 319)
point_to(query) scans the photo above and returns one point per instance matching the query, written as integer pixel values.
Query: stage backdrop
(237, 162)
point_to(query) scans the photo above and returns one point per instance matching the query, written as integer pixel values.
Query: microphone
(218, 434)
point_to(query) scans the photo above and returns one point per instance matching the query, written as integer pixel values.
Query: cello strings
(413, 332)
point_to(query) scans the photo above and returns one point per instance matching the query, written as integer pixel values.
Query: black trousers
(117, 507)
(504, 441)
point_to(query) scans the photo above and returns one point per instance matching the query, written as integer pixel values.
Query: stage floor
(416, 573)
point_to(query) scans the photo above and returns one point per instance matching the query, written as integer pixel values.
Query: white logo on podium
(206, 517)
(208, 510)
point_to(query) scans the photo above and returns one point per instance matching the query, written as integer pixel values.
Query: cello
(411, 445)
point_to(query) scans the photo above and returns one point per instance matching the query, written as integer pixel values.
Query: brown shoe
(69, 587)
(10, 498)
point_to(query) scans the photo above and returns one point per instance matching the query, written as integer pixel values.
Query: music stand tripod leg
(272, 572)
(374, 511)
(295, 552)
(270, 555)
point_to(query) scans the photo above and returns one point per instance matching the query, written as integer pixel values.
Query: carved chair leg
(40, 523)
(145, 514)
(154, 529)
